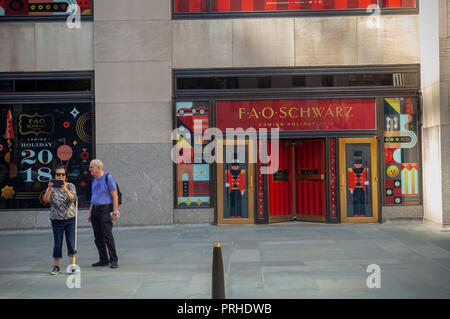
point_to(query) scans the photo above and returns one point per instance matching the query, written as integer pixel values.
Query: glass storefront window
(35, 139)
(283, 5)
(401, 152)
(42, 8)
(193, 176)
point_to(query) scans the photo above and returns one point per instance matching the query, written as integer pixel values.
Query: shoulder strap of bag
(106, 180)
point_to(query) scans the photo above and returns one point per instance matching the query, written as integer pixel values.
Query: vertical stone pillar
(444, 58)
(435, 79)
(133, 92)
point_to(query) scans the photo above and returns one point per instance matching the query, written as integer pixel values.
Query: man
(104, 209)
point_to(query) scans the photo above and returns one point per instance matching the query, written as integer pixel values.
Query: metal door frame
(343, 180)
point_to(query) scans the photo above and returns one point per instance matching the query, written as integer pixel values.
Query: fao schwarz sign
(302, 115)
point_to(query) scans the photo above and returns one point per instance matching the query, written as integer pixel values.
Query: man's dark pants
(102, 226)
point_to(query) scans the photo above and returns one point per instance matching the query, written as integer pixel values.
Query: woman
(62, 215)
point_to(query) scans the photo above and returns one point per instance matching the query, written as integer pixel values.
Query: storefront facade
(357, 89)
(341, 153)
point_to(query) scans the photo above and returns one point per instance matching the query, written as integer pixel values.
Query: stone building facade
(135, 55)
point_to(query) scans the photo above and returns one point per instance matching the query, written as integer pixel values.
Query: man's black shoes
(100, 264)
(114, 265)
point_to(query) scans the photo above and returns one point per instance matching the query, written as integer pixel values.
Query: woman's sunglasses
(60, 174)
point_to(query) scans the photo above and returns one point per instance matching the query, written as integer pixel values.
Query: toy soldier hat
(357, 157)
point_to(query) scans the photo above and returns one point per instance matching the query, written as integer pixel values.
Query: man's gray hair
(97, 163)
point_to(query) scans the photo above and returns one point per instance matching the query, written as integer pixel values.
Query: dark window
(52, 85)
(297, 81)
(6, 86)
(64, 84)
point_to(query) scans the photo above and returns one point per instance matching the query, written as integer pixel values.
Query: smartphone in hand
(57, 182)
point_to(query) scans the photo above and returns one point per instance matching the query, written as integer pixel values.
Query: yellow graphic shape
(8, 192)
(392, 171)
(395, 103)
(182, 143)
(85, 137)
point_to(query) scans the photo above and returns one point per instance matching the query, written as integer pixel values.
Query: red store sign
(298, 115)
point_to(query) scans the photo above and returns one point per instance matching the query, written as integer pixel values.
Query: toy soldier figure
(357, 185)
(235, 184)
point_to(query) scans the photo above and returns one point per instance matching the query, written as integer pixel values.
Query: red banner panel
(192, 5)
(271, 5)
(398, 3)
(280, 183)
(310, 188)
(298, 115)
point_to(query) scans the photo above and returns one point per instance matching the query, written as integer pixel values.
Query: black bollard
(218, 282)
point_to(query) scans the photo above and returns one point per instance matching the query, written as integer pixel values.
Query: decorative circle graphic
(66, 124)
(84, 156)
(80, 128)
(16, 5)
(392, 171)
(64, 153)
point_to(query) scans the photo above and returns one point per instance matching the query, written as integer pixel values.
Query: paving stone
(293, 260)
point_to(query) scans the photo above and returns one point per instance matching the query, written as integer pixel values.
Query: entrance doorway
(297, 190)
(358, 180)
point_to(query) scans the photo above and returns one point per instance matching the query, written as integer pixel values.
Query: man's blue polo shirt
(101, 194)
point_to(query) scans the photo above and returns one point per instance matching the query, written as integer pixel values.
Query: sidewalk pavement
(289, 261)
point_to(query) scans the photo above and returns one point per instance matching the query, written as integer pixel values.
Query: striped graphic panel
(280, 183)
(310, 181)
